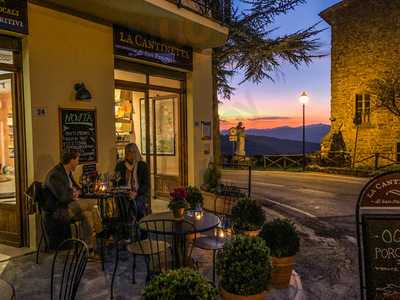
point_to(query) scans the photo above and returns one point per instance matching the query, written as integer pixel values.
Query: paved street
(323, 208)
(310, 197)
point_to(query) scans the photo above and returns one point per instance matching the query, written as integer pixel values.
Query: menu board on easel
(78, 131)
(378, 231)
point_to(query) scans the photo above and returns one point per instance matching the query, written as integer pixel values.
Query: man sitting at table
(133, 174)
(64, 200)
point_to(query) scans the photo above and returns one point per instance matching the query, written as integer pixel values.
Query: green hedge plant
(180, 284)
(211, 178)
(281, 237)
(244, 266)
(247, 215)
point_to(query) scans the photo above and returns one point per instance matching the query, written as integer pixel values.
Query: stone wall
(365, 43)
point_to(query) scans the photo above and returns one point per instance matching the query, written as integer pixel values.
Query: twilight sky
(273, 104)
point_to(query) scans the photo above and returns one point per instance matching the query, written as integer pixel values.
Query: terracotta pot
(251, 233)
(282, 268)
(228, 296)
(179, 213)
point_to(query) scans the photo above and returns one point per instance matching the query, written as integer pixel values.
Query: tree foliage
(386, 89)
(254, 50)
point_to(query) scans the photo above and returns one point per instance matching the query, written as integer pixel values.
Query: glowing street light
(304, 98)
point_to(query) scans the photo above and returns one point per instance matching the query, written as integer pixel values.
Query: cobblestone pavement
(32, 282)
(327, 264)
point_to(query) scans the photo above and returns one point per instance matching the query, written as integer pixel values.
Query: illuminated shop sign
(14, 15)
(133, 44)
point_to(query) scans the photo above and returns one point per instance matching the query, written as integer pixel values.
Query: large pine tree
(255, 51)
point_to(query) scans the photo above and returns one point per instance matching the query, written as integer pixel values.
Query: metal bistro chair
(119, 224)
(167, 246)
(35, 202)
(72, 256)
(223, 209)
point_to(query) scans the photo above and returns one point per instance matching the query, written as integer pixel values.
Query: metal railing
(340, 159)
(218, 10)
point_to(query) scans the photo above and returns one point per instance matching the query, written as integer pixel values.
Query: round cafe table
(6, 290)
(208, 222)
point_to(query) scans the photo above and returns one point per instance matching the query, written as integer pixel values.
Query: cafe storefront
(58, 65)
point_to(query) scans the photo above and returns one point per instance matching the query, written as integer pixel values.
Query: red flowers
(179, 194)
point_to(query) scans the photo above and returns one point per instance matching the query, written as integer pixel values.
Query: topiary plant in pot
(178, 203)
(194, 197)
(180, 284)
(247, 217)
(244, 268)
(281, 237)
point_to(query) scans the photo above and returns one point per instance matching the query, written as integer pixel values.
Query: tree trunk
(216, 131)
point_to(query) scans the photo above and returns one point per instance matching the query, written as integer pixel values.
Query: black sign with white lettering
(14, 15)
(133, 44)
(78, 131)
(382, 257)
(378, 218)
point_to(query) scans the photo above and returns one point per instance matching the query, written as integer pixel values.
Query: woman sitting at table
(133, 174)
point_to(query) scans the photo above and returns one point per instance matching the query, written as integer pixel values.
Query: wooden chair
(166, 247)
(71, 258)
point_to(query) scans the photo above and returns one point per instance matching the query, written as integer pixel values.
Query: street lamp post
(304, 100)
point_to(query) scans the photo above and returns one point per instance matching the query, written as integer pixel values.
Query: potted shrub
(194, 197)
(282, 238)
(180, 284)
(247, 217)
(178, 203)
(244, 268)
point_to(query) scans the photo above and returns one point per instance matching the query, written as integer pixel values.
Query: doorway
(13, 225)
(150, 111)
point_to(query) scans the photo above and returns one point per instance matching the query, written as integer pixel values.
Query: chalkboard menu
(78, 131)
(382, 257)
(378, 217)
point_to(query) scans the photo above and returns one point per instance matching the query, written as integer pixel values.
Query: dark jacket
(142, 176)
(60, 194)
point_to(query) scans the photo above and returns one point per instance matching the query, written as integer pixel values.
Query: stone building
(365, 39)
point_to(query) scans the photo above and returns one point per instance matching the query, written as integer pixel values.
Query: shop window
(6, 57)
(398, 152)
(129, 76)
(161, 81)
(363, 109)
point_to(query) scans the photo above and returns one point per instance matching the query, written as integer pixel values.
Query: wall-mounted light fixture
(82, 93)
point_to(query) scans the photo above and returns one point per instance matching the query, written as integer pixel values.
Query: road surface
(326, 201)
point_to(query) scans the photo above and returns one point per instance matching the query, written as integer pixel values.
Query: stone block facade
(365, 44)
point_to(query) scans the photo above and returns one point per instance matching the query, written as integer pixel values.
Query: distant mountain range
(314, 133)
(263, 145)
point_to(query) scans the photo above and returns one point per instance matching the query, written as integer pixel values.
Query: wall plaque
(378, 230)
(14, 15)
(78, 131)
(134, 44)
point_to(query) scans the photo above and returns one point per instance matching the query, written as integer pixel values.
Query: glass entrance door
(165, 138)
(149, 113)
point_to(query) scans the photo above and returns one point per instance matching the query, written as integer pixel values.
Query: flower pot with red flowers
(178, 203)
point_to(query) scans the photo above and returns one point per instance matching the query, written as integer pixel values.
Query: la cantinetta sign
(378, 228)
(14, 15)
(134, 44)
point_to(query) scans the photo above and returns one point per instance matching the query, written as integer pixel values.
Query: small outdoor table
(6, 290)
(101, 201)
(208, 222)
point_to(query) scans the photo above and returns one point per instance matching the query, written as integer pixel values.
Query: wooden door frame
(20, 238)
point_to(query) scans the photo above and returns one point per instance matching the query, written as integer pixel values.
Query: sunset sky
(274, 104)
